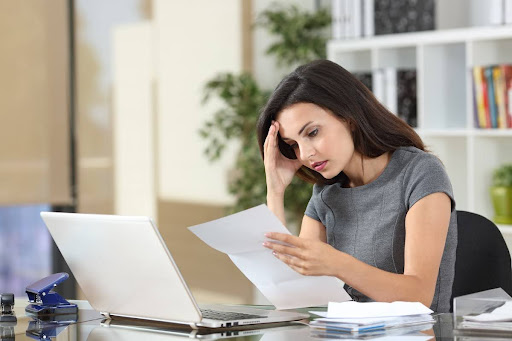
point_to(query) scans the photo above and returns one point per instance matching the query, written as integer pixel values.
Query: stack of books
(370, 319)
(492, 93)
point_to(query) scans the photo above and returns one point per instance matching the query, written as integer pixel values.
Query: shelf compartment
(490, 152)
(400, 58)
(442, 97)
(491, 52)
(353, 61)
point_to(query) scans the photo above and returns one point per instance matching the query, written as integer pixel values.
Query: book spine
(479, 94)
(391, 94)
(499, 96)
(476, 118)
(485, 12)
(349, 19)
(368, 20)
(406, 96)
(338, 24)
(485, 92)
(378, 85)
(491, 98)
(357, 15)
(507, 73)
(508, 11)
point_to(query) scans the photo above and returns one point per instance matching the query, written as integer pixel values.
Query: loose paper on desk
(241, 236)
(357, 310)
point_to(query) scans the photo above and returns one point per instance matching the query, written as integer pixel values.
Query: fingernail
(274, 253)
(267, 234)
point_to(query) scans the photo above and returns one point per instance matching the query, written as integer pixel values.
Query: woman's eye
(313, 133)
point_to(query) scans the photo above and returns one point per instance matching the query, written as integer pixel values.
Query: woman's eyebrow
(300, 131)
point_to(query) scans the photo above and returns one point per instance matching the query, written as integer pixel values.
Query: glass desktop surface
(91, 326)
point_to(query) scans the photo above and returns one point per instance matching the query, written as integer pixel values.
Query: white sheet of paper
(500, 314)
(372, 320)
(375, 309)
(241, 236)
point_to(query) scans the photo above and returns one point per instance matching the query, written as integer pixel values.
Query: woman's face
(321, 141)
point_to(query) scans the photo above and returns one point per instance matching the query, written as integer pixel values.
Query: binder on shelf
(378, 85)
(368, 18)
(391, 94)
(508, 11)
(400, 16)
(338, 20)
(486, 12)
(351, 18)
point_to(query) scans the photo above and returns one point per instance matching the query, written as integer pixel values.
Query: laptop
(124, 268)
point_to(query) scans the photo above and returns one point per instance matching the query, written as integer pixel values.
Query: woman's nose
(306, 152)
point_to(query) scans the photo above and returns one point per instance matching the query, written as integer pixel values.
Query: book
(507, 11)
(499, 96)
(365, 78)
(485, 95)
(493, 110)
(478, 87)
(391, 89)
(357, 18)
(338, 23)
(368, 18)
(507, 75)
(378, 85)
(400, 16)
(486, 12)
(407, 97)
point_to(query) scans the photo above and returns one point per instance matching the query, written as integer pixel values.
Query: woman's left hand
(306, 256)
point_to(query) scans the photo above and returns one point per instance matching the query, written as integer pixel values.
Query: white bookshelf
(443, 60)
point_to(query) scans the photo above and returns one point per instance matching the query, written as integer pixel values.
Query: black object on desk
(7, 318)
(7, 304)
(46, 302)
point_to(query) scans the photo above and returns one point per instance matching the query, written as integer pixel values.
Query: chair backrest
(483, 259)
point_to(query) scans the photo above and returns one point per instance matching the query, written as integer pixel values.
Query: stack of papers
(498, 319)
(371, 317)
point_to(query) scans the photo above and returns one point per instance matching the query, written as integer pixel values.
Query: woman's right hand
(279, 170)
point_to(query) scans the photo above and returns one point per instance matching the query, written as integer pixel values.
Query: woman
(382, 215)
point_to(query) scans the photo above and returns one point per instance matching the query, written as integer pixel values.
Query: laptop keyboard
(227, 315)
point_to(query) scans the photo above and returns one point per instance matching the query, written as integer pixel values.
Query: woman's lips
(318, 166)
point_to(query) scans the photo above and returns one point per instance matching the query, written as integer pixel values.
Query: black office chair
(483, 259)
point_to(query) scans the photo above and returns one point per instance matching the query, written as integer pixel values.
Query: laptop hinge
(107, 315)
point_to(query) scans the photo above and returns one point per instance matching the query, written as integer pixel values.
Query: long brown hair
(324, 83)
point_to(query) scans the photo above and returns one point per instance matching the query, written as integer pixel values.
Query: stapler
(46, 302)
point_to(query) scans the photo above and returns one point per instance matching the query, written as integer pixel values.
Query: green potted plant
(301, 37)
(501, 194)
